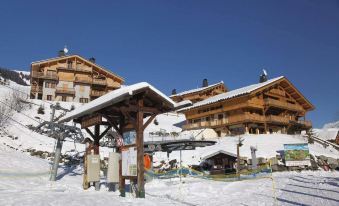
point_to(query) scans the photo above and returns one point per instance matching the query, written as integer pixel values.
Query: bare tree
(6, 109)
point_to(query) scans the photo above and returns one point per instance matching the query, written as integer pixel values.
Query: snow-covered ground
(24, 179)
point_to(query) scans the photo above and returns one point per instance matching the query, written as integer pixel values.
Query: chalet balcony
(60, 90)
(114, 85)
(284, 105)
(50, 76)
(37, 74)
(277, 119)
(99, 82)
(97, 93)
(36, 89)
(83, 69)
(241, 118)
(306, 123)
(86, 80)
(65, 68)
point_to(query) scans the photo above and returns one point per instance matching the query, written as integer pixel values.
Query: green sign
(297, 155)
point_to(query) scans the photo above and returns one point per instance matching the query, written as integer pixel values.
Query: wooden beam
(96, 134)
(128, 115)
(111, 122)
(106, 130)
(140, 150)
(151, 118)
(89, 132)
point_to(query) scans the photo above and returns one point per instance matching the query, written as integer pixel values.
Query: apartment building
(271, 106)
(71, 78)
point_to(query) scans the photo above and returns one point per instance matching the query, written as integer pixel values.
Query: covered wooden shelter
(124, 110)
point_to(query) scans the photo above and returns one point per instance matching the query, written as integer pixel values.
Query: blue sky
(175, 44)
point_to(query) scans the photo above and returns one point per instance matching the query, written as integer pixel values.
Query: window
(83, 100)
(51, 73)
(69, 64)
(64, 98)
(49, 97)
(220, 116)
(50, 85)
(82, 89)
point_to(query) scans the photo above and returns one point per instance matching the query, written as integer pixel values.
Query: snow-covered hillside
(19, 77)
(332, 125)
(24, 179)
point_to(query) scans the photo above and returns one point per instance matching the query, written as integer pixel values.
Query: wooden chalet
(271, 106)
(199, 94)
(71, 78)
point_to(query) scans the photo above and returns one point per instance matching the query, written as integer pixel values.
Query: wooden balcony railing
(66, 68)
(285, 105)
(36, 89)
(244, 118)
(87, 80)
(97, 93)
(278, 119)
(61, 90)
(50, 76)
(83, 69)
(307, 123)
(99, 81)
(226, 121)
(114, 85)
(37, 74)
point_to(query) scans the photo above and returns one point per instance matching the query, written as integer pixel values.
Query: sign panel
(91, 121)
(113, 167)
(297, 154)
(129, 137)
(129, 161)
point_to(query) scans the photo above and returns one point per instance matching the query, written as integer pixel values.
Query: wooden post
(121, 178)
(140, 149)
(96, 139)
(265, 121)
(238, 161)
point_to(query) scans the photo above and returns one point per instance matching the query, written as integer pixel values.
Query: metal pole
(56, 158)
(180, 167)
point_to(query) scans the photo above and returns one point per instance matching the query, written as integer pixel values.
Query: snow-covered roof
(197, 90)
(213, 153)
(233, 93)
(113, 97)
(76, 55)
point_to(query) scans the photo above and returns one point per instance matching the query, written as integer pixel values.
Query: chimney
(92, 59)
(174, 91)
(204, 83)
(61, 53)
(263, 76)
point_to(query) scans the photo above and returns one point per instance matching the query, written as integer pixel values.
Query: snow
(233, 93)
(268, 146)
(332, 125)
(197, 90)
(327, 133)
(111, 98)
(25, 179)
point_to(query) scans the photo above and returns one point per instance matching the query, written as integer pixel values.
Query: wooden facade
(200, 94)
(275, 107)
(71, 78)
